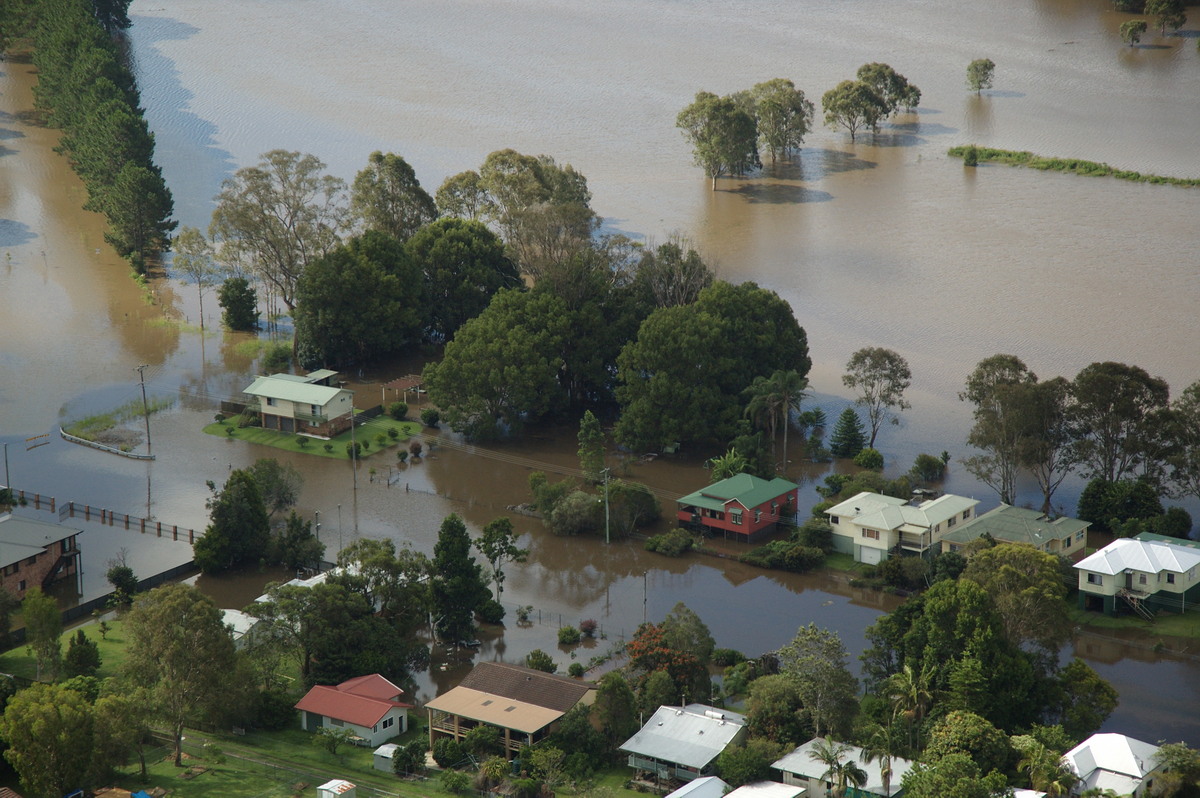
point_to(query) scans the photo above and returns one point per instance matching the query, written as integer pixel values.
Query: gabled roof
(1140, 555)
(801, 762)
(293, 389)
(875, 511)
(1112, 761)
(527, 685)
(497, 710)
(1152, 537)
(1017, 525)
(353, 701)
(747, 489)
(239, 621)
(691, 736)
(706, 787)
(22, 538)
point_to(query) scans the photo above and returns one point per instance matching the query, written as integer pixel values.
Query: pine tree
(457, 587)
(849, 436)
(591, 448)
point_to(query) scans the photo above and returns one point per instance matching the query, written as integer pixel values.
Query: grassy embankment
(1071, 165)
(367, 433)
(91, 427)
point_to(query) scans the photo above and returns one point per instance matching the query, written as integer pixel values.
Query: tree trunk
(714, 182)
(179, 745)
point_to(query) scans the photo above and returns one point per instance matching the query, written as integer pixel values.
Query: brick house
(35, 554)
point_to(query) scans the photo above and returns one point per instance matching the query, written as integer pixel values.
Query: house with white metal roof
(304, 405)
(874, 527)
(767, 789)
(801, 768)
(707, 787)
(1114, 762)
(684, 742)
(1145, 575)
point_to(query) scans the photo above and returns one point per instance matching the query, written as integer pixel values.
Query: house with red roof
(369, 706)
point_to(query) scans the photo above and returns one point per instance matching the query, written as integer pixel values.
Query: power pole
(607, 538)
(141, 370)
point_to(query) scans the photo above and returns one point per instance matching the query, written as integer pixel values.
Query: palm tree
(727, 465)
(772, 400)
(1046, 771)
(910, 696)
(878, 745)
(839, 773)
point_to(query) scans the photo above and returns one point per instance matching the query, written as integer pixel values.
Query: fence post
(143, 520)
(159, 530)
(52, 500)
(87, 512)
(191, 536)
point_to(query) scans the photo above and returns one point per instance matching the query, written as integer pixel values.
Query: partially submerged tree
(194, 260)
(979, 74)
(783, 116)
(890, 86)
(723, 136)
(880, 377)
(386, 196)
(853, 105)
(498, 544)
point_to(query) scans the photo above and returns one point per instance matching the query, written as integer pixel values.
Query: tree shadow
(816, 163)
(1151, 47)
(7, 134)
(775, 193)
(1001, 93)
(14, 233)
(925, 128)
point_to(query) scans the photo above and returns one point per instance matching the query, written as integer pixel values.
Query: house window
(375, 728)
(337, 722)
(757, 516)
(316, 411)
(1141, 579)
(966, 514)
(951, 522)
(736, 517)
(1079, 535)
(21, 585)
(1067, 543)
(389, 723)
(873, 534)
(833, 519)
(270, 402)
(937, 528)
(32, 560)
(1095, 579)
(1170, 579)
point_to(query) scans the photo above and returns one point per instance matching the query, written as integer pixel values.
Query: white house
(767, 789)
(241, 626)
(1113, 762)
(802, 769)
(874, 527)
(369, 706)
(707, 787)
(1145, 574)
(684, 742)
(290, 403)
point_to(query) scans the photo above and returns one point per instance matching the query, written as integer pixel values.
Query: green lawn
(21, 662)
(1167, 624)
(366, 434)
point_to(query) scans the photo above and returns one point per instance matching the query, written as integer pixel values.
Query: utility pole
(607, 538)
(645, 575)
(7, 484)
(141, 370)
(317, 524)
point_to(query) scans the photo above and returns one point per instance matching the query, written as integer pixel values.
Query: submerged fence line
(103, 515)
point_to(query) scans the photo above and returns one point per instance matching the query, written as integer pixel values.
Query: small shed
(383, 757)
(338, 788)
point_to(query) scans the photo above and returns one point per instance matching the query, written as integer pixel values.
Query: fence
(143, 525)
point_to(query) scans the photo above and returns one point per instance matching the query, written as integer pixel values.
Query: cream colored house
(290, 403)
(801, 768)
(1142, 574)
(874, 527)
(1114, 762)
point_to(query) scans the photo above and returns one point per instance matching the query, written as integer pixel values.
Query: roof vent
(714, 714)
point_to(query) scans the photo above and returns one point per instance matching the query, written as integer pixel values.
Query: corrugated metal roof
(291, 390)
(507, 713)
(1117, 754)
(1140, 555)
(801, 762)
(692, 736)
(747, 489)
(875, 511)
(706, 787)
(527, 685)
(22, 538)
(1017, 525)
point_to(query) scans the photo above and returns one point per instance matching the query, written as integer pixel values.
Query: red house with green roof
(744, 506)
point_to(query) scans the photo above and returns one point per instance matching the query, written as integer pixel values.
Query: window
(316, 411)
(873, 534)
(1170, 579)
(966, 513)
(833, 519)
(270, 402)
(375, 728)
(1141, 579)
(757, 516)
(951, 522)
(736, 517)
(337, 722)
(389, 723)
(1095, 579)
(937, 528)
(21, 585)
(32, 560)
(1079, 535)
(1067, 543)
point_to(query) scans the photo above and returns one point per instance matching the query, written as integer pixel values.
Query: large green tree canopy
(360, 302)
(682, 378)
(724, 137)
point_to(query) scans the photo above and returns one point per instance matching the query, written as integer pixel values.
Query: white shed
(338, 788)
(383, 757)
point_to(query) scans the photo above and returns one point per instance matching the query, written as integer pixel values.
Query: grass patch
(1167, 624)
(21, 662)
(1072, 165)
(839, 561)
(91, 426)
(251, 348)
(367, 432)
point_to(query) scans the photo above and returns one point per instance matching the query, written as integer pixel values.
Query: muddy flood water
(881, 242)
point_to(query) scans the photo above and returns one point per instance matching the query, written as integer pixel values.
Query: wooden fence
(103, 516)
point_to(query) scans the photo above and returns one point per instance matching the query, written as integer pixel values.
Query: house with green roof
(1008, 524)
(302, 405)
(744, 506)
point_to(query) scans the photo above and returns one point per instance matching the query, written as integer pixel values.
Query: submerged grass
(90, 427)
(1071, 165)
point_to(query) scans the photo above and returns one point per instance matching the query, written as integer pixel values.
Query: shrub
(230, 431)
(454, 782)
(415, 448)
(301, 441)
(430, 417)
(870, 459)
(971, 156)
(577, 513)
(815, 533)
(393, 433)
(491, 611)
(785, 555)
(220, 418)
(575, 669)
(568, 636)
(523, 613)
(725, 657)
(354, 449)
(928, 468)
(448, 753)
(278, 357)
(674, 543)
(588, 627)
(381, 440)
(482, 741)
(903, 572)
(328, 447)
(366, 445)
(540, 661)
(274, 710)
(402, 455)
(398, 410)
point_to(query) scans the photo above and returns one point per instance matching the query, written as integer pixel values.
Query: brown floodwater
(884, 241)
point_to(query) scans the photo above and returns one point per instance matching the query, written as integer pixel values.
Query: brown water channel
(880, 242)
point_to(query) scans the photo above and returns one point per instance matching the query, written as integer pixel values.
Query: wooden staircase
(1136, 601)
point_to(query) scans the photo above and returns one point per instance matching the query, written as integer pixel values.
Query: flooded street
(882, 242)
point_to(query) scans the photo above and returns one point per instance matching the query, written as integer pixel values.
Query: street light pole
(607, 538)
(141, 370)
